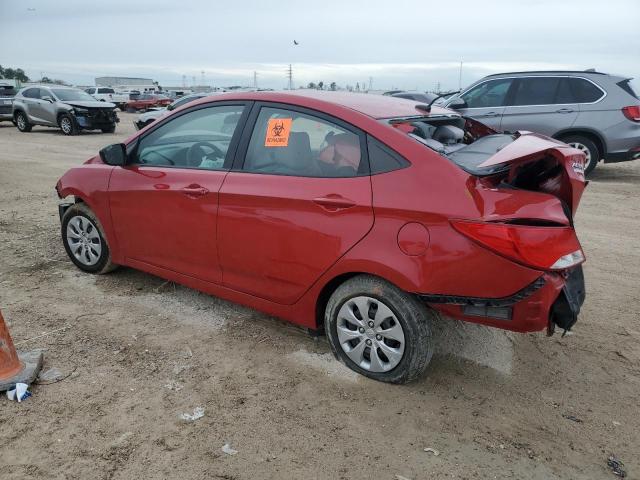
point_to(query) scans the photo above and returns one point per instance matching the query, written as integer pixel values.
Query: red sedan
(147, 100)
(359, 215)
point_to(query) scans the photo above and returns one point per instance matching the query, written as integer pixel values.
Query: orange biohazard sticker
(278, 131)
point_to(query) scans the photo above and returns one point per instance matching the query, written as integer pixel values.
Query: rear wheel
(84, 240)
(586, 146)
(378, 330)
(22, 122)
(68, 124)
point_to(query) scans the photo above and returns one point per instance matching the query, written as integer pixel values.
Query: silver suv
(68, 108)
(592, 111)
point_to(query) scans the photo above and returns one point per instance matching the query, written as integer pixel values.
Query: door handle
(194, 191)
(334, 202)
(565, 110)
(490, 114)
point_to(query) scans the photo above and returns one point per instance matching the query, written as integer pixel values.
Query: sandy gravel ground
(140, 352)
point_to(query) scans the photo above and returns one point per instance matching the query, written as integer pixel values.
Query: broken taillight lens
(544, 248)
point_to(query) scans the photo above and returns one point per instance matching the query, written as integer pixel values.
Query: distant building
(124, 82)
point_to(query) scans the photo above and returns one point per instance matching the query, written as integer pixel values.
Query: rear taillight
(545, 248)
(632, 112)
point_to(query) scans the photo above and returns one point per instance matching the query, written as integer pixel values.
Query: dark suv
(592, 111)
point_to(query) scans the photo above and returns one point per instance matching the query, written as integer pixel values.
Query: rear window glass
(536, 91)
(584, 91)
(106, 90)
(382, 159)
(629, 87)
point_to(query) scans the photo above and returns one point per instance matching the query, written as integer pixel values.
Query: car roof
(547, 72)
(376, 106)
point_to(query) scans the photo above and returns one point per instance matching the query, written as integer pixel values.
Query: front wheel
(84, 240)
(68, 124)
(378, 330)
(586, 146)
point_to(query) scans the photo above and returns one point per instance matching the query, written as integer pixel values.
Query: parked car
(152, 115)
(70, 109)
(7, 92)
(358, 215)
(145, 101)
(595, 112)
(105, 94)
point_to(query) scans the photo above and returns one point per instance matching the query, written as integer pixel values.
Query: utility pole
(201, 77)
(255, 79)
(460, 77)
(194, 80)
(290, 77)
(370, 83)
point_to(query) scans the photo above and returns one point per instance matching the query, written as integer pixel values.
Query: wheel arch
(591, 134)
(335, 281)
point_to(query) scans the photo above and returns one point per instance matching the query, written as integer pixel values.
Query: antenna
(290, 77)
(460, 77)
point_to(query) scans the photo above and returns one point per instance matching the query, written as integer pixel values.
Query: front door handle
(565, 110)
(490, 114)
(334, 202)
(194, 191)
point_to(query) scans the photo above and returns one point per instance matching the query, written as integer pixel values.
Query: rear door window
(286, 142)
(105, 90)
(31, 93)
(535, 91)
(584, 91)
(488, 94)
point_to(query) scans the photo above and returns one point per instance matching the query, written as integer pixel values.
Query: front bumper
(552, 300)
(96, 120)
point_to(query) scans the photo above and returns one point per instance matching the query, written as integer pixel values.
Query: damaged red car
(364, 217)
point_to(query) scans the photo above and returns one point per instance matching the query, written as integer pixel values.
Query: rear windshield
(463, 141)
(629, 86)
(7, 91)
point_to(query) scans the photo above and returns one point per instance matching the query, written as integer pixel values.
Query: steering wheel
(196, 152)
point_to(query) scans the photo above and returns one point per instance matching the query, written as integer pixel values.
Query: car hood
(90, 104)
(152, 115)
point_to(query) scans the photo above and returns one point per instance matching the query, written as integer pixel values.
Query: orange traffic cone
(15, 367)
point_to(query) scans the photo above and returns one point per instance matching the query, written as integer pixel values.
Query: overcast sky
(404, 44)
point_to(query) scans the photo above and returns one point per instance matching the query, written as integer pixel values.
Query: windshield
(71, 95)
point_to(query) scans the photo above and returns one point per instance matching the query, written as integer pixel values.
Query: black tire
(414, 317)
(22, 122)
(68, 124)
(585, 144)
(109, 129)
(103, 263)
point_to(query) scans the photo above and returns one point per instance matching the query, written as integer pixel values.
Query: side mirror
(170, 107)
(47, 98)
(115, 154)
(457, 104)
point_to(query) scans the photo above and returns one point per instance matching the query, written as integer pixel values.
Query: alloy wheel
(84, 240)
(21, 122)
(370, 334)
(65, 124)
(584, 149)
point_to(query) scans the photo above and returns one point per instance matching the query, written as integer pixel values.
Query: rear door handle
(334, 202)
(565, 110)
(194, 191)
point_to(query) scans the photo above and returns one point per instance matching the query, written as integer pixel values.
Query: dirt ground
(140, 352)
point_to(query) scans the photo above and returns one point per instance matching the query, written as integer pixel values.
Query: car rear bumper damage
(553, 299)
